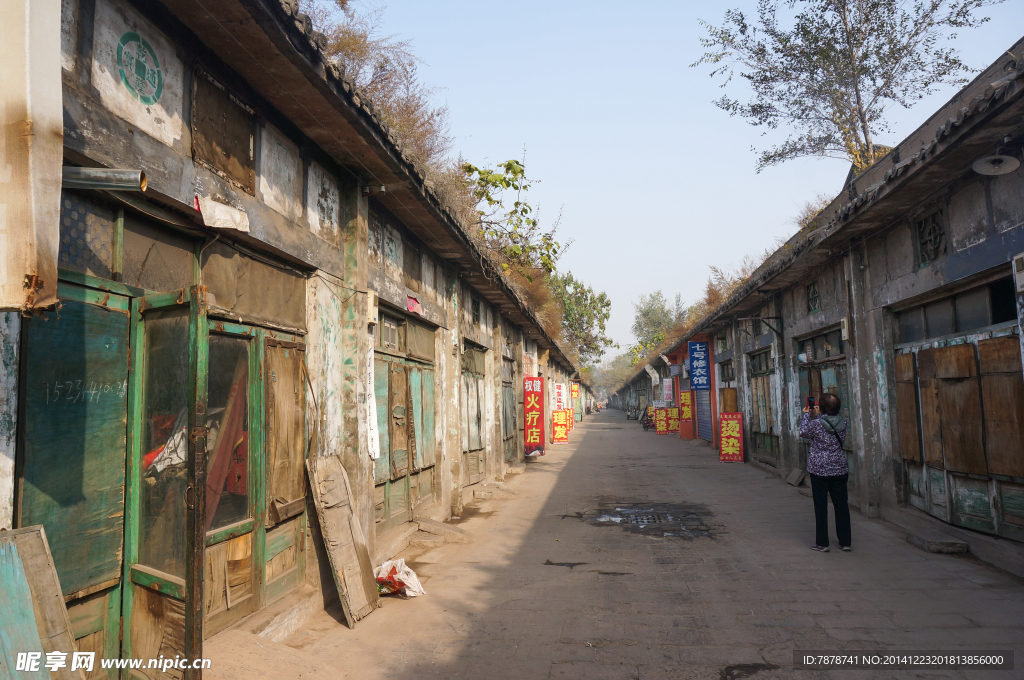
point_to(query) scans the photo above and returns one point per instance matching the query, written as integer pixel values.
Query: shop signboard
(560, 427)
(731, 438)
(673, 419)
(700, 366)
(559, 396)
(661, 421)
(533, 416)
(684, 406)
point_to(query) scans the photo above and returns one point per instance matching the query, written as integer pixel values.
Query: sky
(653, 182)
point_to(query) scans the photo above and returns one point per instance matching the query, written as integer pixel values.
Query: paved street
(553, 586)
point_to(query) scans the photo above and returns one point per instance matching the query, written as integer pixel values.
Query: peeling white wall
(10, 331)
(324, 353)
(280, 173)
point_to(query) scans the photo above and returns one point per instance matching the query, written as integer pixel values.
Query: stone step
(447, 532)
(421, 539)
(936, 542)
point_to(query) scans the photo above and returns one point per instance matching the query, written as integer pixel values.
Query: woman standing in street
(826, 464)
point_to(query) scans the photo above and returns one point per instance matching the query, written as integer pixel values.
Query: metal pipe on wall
(103, 178)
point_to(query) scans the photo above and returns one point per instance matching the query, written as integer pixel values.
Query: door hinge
(199, 431)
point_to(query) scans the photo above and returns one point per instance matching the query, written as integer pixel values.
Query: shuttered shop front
(704, 422)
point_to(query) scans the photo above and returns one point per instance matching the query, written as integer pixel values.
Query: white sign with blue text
(700, 366)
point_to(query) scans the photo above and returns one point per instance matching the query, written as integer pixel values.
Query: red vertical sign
(732, 438)
(533, 415)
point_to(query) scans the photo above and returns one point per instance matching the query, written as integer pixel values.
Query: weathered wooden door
(404, 473)
(230, 574)
(962, 438)
(71, 460)
(165, 532)
(284, 505)
(474, 457)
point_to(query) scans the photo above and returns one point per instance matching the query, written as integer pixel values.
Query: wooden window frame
(813, 299)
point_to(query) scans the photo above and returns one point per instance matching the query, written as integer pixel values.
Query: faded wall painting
(280, 173)
(323, 204)
(136, 72)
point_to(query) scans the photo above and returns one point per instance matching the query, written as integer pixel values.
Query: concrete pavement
(547, 589)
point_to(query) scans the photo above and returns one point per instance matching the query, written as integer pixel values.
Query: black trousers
(821, 489)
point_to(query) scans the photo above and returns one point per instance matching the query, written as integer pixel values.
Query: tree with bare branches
(830, 72)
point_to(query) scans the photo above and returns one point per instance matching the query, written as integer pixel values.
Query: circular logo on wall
(140, 68)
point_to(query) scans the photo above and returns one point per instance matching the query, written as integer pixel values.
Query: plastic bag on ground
(394, 577)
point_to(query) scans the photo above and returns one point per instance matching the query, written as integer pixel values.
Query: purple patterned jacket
(826, 457)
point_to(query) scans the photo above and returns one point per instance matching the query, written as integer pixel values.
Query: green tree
(833, 72)
(653, 318)
(507, 223)
(584, 317)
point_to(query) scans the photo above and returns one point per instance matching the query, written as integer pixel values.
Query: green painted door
(165, 533)
(74, 384)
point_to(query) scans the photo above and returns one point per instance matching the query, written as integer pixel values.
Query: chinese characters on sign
(574, 390)
(732, 438)
(661, 421)
(559, 396)
(666, 390)
(684, 406)
(700, 376)
(533, 414)
(560, 426)
(673, 419)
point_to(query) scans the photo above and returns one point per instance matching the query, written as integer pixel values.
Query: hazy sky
(654, 182)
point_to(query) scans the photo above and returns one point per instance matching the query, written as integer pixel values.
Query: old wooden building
(270, 278)
(904, 298)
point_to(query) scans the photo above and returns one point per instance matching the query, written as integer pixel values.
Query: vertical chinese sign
(560, 426)
(661, 421)
(673, 419)
(684, 406)
(574, 390)
(559, 396)
(533, 415)
(666, 390)
(700, 376)
(732, 438)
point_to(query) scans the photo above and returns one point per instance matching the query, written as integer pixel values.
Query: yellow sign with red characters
(661, 421)
(732, 438)
(560, 426)
(673, 419)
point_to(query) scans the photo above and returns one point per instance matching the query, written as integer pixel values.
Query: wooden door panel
(399, 421)
(1004, 423)
(416, 399)
(907, 414)
(429, 423)
(931, 422)
(73, 439)
(286, 424)
(382, 466)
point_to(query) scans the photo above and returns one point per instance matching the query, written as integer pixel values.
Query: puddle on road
(669, 520)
